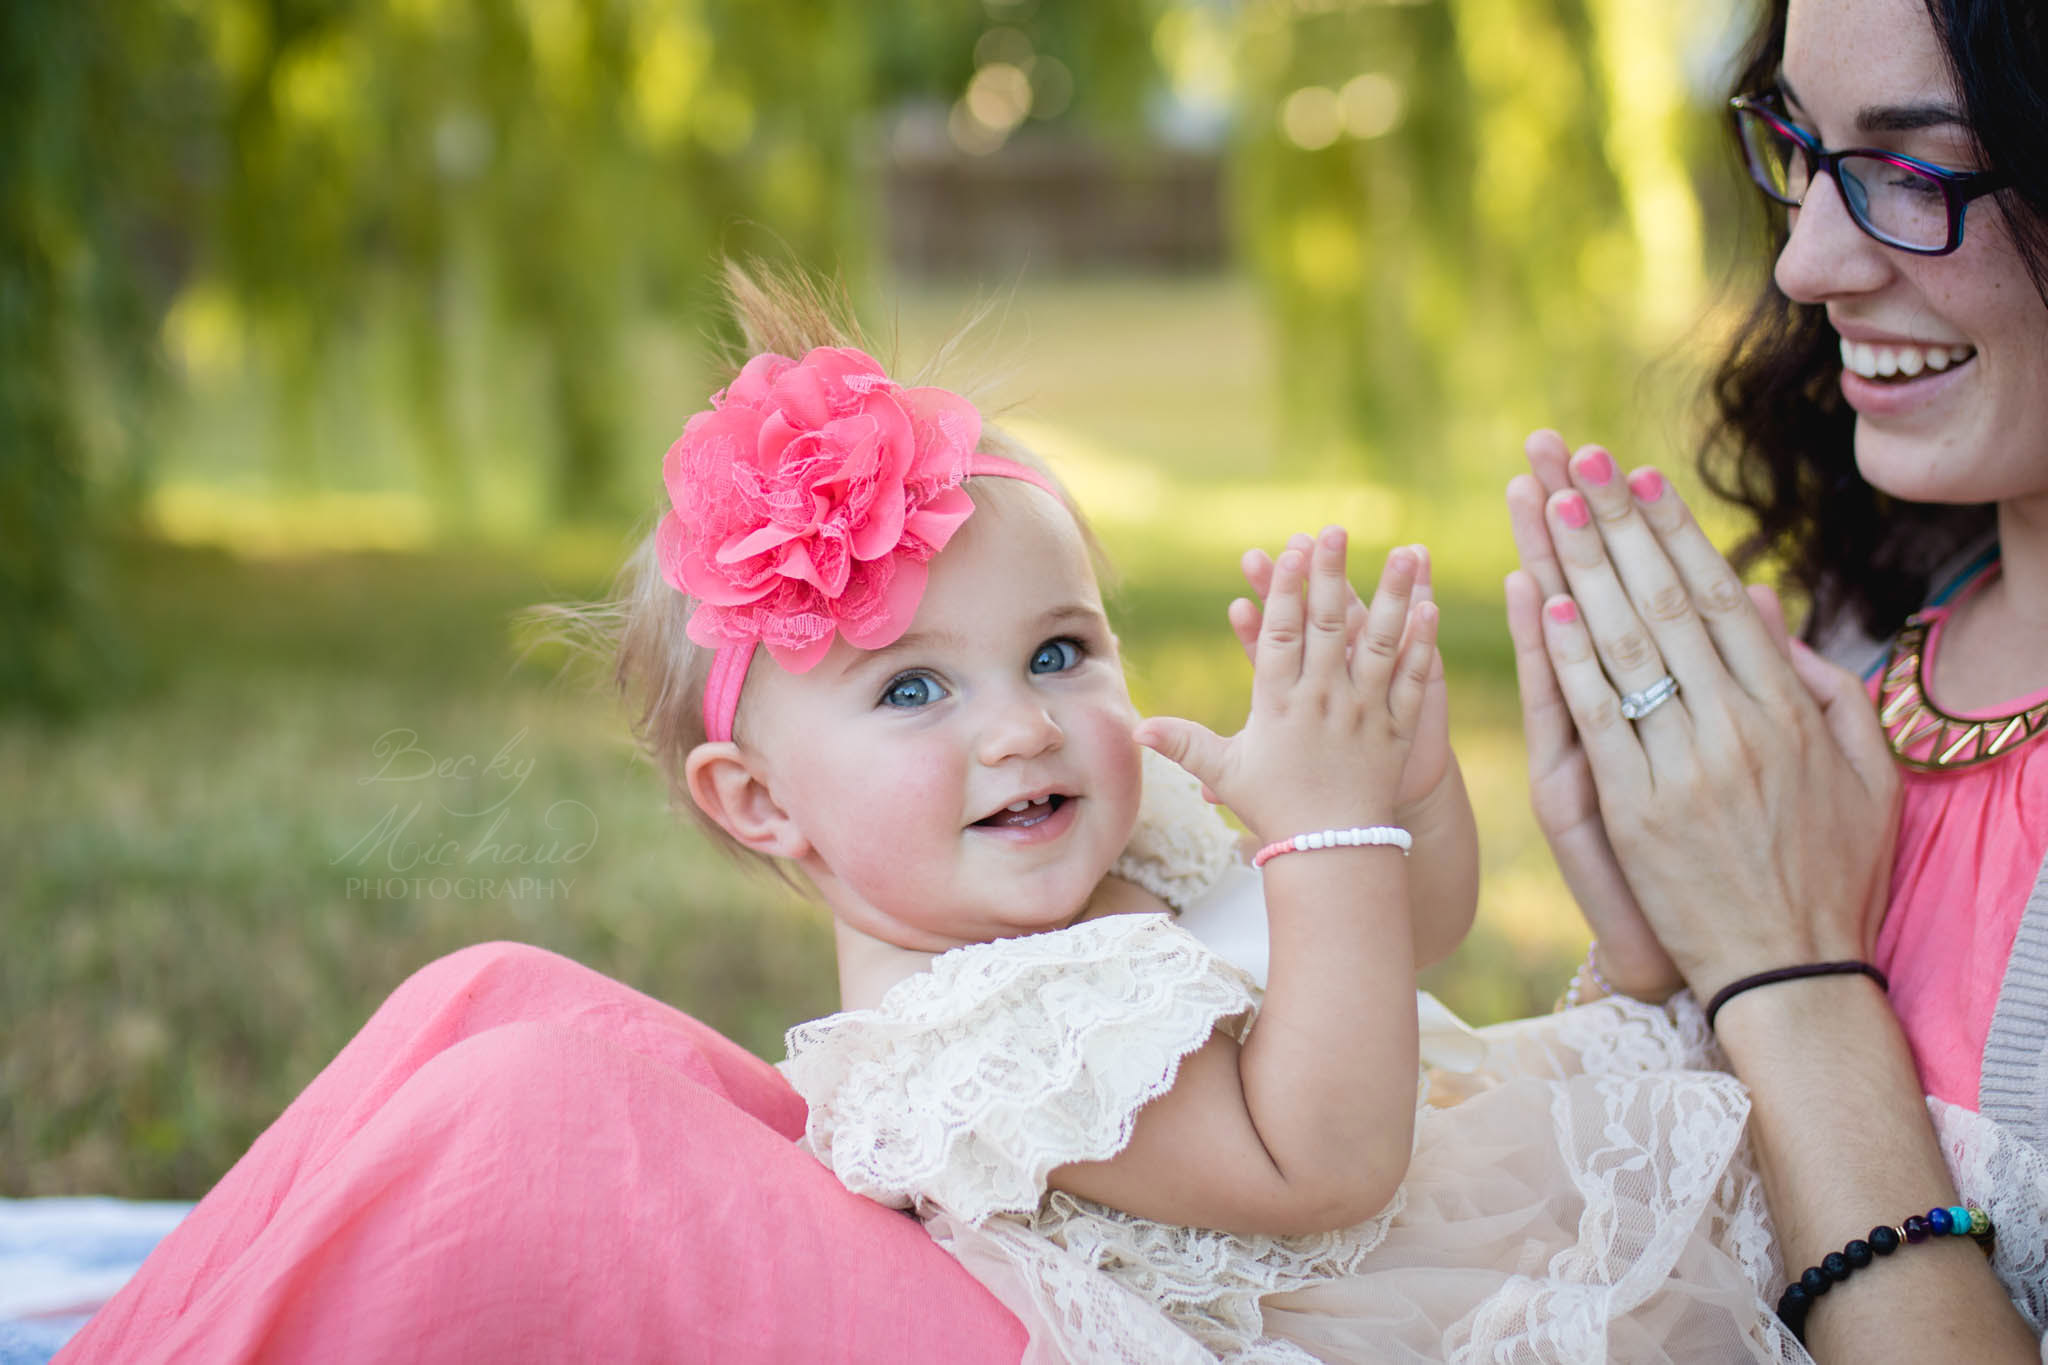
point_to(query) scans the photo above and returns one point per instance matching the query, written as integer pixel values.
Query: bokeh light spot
(999, 96)
(1370, 104)
(1311, 118)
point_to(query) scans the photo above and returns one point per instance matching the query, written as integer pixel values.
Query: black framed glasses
(1902, 201)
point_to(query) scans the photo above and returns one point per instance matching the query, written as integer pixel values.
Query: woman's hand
(1748, 821)
(1337, 698)
(1561, 789)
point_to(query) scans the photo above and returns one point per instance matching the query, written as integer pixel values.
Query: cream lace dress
(1580, 1189)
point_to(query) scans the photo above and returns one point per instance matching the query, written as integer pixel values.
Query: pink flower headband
(806, 502)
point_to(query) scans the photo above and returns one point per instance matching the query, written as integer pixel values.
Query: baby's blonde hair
(642, 629)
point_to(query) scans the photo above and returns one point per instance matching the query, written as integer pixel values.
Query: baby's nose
(1023, 727)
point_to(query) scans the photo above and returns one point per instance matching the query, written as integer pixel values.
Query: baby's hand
(1430, 756)
(1337, 697)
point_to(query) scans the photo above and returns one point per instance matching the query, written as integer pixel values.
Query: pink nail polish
(1564, 611)
(1646, 484)
(1572, 511)
(1597, 468)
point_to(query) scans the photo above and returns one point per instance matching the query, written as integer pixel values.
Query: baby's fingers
(1329, 596)
(1379, 641)
(1416, 666)
(1257, 566)
(1193, 746)
(1276, 663)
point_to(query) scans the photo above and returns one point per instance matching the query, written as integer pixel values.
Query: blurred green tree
(1466, 207)
(1460, 209)
(261, 182)
(75, 328)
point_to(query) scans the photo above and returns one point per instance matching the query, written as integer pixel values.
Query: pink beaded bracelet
(1371, 836)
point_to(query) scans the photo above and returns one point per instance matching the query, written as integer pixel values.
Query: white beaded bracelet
(1590, 967)
(1373, 836)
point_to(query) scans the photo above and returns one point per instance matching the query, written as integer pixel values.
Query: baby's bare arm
(1306, 1126)
(1443, 876)
(1433, 804)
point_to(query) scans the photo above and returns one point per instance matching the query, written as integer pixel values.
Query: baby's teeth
(1937, 358)
(1910, 362)
(1959, 354)
(1887, 362)
(1018, 805)
(1865, 362)
(1848, 354)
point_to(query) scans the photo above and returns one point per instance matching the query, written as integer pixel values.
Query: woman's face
(1871, 73)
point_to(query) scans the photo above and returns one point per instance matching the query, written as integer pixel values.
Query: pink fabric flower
(808, 500)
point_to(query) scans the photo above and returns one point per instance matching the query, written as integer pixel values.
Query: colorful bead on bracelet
(1959, 1220)
(1372, 836)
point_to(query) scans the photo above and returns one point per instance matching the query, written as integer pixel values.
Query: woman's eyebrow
(1906, 118)
(1891, 118)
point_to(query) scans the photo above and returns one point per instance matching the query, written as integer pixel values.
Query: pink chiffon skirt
(519, 1159)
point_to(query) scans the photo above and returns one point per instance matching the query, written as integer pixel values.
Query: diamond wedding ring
(1636, 705)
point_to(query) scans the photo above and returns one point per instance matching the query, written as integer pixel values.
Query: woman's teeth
(1900, 362)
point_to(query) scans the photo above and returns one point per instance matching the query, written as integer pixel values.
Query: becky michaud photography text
(472, 849)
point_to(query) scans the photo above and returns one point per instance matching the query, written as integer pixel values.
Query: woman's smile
(1883, 379)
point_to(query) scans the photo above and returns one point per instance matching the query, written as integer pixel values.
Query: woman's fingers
(1546, 721)
(1741, 638)
(1627, 652)
(1633, 598)
(1531, 529)
(1620, 767)
(1771, 612)
(1567, 808)
(1548, 455)
(1851, 719)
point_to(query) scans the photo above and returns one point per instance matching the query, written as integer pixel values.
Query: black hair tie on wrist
(1805, 969)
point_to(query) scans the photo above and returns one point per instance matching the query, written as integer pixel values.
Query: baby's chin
(1115, 896)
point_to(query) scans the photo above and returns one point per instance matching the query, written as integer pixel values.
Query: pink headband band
(807, 502)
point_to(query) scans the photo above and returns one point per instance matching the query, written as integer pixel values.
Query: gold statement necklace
(1927, 738)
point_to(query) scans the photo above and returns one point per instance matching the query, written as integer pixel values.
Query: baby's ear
(728, 787)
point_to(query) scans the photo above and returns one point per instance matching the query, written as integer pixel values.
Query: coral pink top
(1970, 847)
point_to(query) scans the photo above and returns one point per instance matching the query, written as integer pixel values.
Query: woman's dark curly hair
(1781, 444)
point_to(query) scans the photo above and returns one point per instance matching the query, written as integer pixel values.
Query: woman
(1883, 411)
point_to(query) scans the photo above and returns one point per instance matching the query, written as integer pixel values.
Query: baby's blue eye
(912, 690)
(1056, 656)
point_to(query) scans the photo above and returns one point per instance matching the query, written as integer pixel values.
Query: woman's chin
(1914, 468)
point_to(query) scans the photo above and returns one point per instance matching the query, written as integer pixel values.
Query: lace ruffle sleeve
(970, 1082)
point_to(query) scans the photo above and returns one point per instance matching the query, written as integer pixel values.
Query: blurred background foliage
(334, 331)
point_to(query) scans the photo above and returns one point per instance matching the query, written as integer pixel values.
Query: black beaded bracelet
(1960, 1220)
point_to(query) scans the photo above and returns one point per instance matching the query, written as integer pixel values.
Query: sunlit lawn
(335, 766)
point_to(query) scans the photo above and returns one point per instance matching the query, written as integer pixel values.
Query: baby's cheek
(1120, 774)
(904, 811)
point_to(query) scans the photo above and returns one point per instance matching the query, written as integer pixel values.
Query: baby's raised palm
(1338, 693)
(1429, 757)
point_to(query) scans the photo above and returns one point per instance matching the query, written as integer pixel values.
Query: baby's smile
(1031, 819)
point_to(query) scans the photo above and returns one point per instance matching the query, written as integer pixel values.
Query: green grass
(193, 917)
